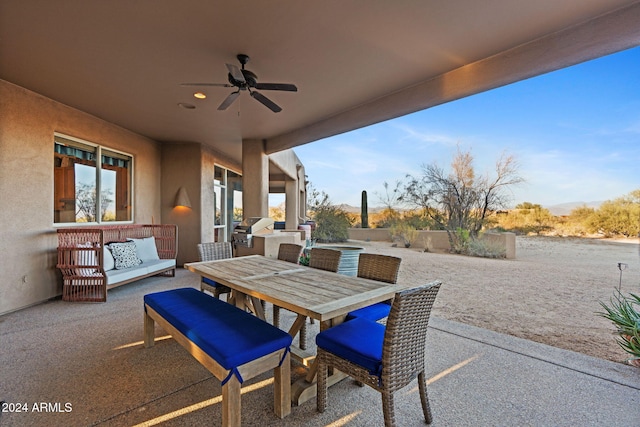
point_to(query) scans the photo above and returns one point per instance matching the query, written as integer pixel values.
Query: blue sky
(575, 134)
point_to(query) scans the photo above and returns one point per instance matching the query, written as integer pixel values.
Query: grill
(254, 226)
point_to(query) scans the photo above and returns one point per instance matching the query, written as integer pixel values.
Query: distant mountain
(356, 209)
(566, 208)
(348, 208)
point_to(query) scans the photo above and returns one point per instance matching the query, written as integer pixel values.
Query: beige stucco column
(291, 204)
(302, 194)
(255, 179)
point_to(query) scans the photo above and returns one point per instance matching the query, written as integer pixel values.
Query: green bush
(459, 240)
(332, 225)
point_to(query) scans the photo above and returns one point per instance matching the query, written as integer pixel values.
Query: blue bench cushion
(229, 335)
(373, 312)
(359, 341)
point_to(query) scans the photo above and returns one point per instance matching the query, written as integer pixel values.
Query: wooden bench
(232, 344)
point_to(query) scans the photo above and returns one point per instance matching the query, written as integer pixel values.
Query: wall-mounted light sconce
(182, 198)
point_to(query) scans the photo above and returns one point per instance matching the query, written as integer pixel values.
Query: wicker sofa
(94, 259)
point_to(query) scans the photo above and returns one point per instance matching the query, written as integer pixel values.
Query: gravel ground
(550, 293)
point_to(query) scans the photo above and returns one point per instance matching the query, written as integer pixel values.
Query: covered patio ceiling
(355, 63)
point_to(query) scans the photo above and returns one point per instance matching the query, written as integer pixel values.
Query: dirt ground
(550, 293)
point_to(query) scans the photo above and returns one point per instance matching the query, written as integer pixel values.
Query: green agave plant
(624, 312)
(631, 344)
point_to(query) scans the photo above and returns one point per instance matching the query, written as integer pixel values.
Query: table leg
(297, 325)
(305, 388)
(258, 309)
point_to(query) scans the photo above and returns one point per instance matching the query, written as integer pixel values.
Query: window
(88, 191)
(227, 186)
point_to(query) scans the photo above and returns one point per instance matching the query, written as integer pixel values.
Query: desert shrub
(418, 220)
(485, 249)
(405, 232)
(459, 240)
(526, 218)
(332, 224)
(618, 217)
(386, 218)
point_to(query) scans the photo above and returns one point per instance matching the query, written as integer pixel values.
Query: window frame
(225, 229)
(99, 153)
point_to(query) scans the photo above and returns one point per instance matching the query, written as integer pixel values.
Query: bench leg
(231, 403)
(149, 330)
(282, 387)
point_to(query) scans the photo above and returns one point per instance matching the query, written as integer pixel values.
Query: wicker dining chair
(212, 251)
(386, 358)
(325, 259)
(383, 268)
(289, 252)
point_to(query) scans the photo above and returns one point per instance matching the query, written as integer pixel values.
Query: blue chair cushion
(373, 312)
(359, 341)
(229, 335)
(210, 282)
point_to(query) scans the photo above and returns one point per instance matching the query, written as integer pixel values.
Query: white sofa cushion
(147, 267)
(117, 276)
(108, 263)
(159, 264)
(146, 248)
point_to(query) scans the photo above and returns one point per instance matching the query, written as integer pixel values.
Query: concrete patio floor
(86, 363)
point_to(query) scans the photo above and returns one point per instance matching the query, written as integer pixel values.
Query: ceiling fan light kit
(243, 79)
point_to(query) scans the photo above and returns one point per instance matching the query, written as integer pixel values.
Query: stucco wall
(28, 238)
(190, 165)
(434, 241)
(181, 168)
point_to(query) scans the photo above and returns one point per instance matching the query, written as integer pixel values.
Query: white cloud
(424, 139)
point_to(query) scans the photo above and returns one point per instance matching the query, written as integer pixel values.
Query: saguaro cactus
(364, 211)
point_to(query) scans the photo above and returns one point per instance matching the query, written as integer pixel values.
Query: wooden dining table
(309, 292)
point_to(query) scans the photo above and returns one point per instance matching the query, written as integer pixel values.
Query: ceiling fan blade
(229, 100)
(266, 101)
(207, 84)
(277, 86)
(235, 72)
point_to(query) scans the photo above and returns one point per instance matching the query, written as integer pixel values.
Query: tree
(277, 213)
(459, 201)
(391, 200)
(86, 202)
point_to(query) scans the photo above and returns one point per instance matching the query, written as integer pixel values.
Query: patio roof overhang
(355, 63)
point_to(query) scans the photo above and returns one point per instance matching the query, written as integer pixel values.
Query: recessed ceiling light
(200, 95)
(187, 106)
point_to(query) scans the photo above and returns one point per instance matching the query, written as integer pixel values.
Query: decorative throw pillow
(146, 248)
(125, 255)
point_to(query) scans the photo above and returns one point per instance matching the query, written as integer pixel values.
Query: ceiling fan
(243, 79)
